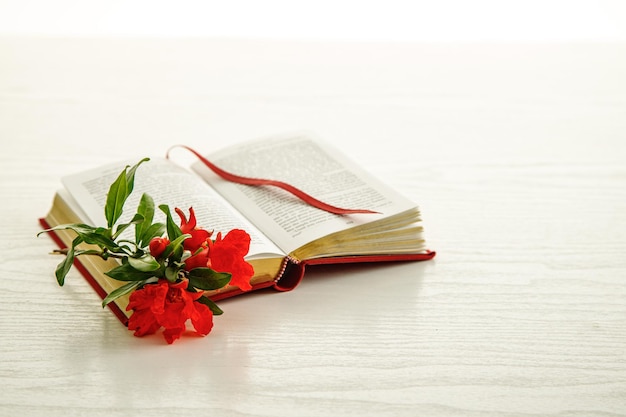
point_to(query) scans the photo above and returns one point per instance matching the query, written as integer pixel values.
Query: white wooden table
(515, 153)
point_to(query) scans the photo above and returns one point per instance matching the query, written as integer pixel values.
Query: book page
(314, 167)
(168, 184)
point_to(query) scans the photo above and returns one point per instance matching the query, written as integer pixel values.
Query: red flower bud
(158, 245)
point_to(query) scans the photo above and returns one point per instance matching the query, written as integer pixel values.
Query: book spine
(291, 274)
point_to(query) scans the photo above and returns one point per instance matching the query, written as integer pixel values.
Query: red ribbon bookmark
(258, 181)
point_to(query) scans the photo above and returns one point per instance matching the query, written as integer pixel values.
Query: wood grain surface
(515, 153)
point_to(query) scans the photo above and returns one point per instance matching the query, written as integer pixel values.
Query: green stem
(102, 254)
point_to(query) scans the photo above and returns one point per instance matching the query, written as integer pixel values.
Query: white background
(396, 20)
(514, 152)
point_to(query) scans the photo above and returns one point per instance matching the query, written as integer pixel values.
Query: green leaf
(136, 220)
(119, 191)
(116, 197)
(130, 175)
(155, 229)
(173, 231)
(175, 247)
(209, 303)
(146, 209)
(208, 279)
(146, 263)
(88, 252)
(64, 267)
(171, 272)
(91, 235)
(123, 290)
(126, 272)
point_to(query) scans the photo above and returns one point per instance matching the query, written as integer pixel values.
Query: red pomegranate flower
(198, 235)
(227, 255)
(222, 255)
(168, 305)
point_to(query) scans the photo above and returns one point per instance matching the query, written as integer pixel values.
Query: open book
(287, 233)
